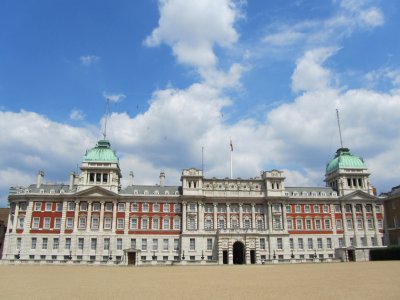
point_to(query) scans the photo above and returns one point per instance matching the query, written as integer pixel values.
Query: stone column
(377, 234)
(215, 216)
(241, 215)
(228, 216)
(101, 226)
(114, 218)
(284, 217)
(89, 216)
(344, 224)
(126, 221)
(184, 224)
(253, 216)
(28, 217)
(200, 216)
(15, 220)
(353, 213)
(63, 217)
(365, 224)
(269, 216)
(76, 216)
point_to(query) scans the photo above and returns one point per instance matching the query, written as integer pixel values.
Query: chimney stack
(162, 178)
(71, 180)
(131, 176)
(40, 176)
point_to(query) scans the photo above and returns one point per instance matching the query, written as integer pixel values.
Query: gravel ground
(366, 280)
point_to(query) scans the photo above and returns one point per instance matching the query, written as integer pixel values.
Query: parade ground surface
(366, 280)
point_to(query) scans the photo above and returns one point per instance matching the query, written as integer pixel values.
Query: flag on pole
(231, 145)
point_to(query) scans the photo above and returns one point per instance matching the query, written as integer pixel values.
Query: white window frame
(38, 206)
(48, 206)
(46, 223)
(57, 223)
(120, 223)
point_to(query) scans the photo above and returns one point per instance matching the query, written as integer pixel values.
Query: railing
(240, 230)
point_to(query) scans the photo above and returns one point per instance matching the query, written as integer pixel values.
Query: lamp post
(183, 255)
(274, 255)
(18, 255)
(109, 255)
(315, 254)
(202, 255)
(70, 255)
(154, 255)
(292, 255)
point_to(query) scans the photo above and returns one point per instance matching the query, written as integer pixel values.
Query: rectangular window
(291, 243)
(165, 207)
(59, 206)
(156, 207)
(327, 224)
(209, 244)
(300, 243)
(120, 223)
(134, 223)
(349, 223)
(71, 206)
(299, 224)
(318, 225)
(145, 223)
(109, 206)
(380, 223)
(262, 244)
(326, 209)
(119, 244)
(340, 240)
(260, 224)
(177, 223)
(339, 224)
(80, 243)
(155, 245)
(306, 208)
(378, 208)
(35, 223)
(56, 243)
(298, 208)
(275, 208)
(145, 207)
(277, 223)
(348, 208)
(166, 224)
(288, 209)
(46, 224)
(221, 223)
(310, 243)
(82, 222)
(177, 208)
(329, 243)
(57, 223)
(96, 206)
(48, 206)
(144, 244)
(279, 243)
(176, 244)
(289, 224)
(155, 224)
(316, 209)
(21, 222)
(319, 243)
(358, 208)
(368, 208)
(107, 223)
(33, 243)
(106, 244)
(308, 224)
(44, 243)
(373, 241)
(83, 206)
(133, 243)
(352, 242)
(338, 209)
(67, 243)
(38, 206)
(359, 224)
(370, 224)
(192, 242)
(121, 207)
(191, 223)
(93, 244)
(19, 241)
(134, 207)
(95, 222)
(165, 244)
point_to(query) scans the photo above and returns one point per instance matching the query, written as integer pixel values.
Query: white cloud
(77, 115)
(114, 97)
(387, 73)
(309, 74)
(193, 29)
(88, 60)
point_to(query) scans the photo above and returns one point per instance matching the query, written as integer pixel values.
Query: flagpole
(231, 157)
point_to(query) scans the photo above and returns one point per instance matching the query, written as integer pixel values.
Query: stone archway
(238, 253)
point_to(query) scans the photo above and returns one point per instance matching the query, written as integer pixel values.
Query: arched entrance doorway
(238, 253)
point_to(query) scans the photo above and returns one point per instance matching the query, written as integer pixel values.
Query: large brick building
(392, 216)
(203, 220)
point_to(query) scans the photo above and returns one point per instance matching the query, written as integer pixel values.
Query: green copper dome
(101, 152)
(345, 160)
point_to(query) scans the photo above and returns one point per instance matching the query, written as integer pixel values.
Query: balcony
(242, 231)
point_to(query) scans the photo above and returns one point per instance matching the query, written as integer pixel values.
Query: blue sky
(182, 75)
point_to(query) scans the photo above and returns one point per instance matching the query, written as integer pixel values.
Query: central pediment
(358, 195)
(96, 191)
